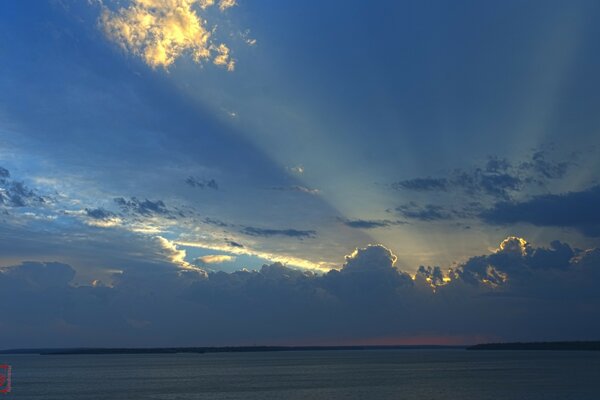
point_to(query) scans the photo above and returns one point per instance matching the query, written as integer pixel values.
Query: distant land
(586, 346)
(201, 350)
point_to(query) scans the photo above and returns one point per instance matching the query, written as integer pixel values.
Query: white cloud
(175, 255)
(225, 4)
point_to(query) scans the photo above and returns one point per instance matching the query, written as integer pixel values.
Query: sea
(453, 374)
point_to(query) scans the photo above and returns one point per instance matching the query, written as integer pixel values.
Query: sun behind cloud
(160, 31)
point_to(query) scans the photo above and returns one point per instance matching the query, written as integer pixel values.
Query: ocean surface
(330, 375)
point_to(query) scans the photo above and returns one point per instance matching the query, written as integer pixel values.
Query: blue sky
(207, 136)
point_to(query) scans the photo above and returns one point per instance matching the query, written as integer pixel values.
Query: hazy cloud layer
(427, 212)
(296, 188)
(370, 223)
(267, 232)
(518, 292)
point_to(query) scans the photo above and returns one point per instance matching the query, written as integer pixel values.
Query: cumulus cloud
(577, 210)
(160, 31)
(174, 254)
(517, 292)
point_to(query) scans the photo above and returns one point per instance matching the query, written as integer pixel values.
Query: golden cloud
(216, 259)
(160, 31)
(272, 257)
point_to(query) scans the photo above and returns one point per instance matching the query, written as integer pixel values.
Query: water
(331, 375)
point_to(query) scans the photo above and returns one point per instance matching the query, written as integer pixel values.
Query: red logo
(5, 371)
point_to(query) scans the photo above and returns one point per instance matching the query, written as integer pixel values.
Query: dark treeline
(201, 350)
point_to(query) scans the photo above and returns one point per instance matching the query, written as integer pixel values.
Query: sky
(240, 172)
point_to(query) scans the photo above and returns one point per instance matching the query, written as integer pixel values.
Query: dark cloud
(578, 210)
(497, 165)
(497, 179)
(370, 224)
(235, 244)
(545, 169)
(254, 231)
(202, 183)
(17, 194)
(422, 184)
(4, 173)
(40, 275)
(428, 212)
(518, 292)
(433, 275)
(99, 213)
(142, 207)
(215, 222)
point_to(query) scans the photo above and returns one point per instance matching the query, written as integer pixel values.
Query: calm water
(397, 374)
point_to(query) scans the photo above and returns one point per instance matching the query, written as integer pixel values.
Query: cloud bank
(517, 292)
(578, 210)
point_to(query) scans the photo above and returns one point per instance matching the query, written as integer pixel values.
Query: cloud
(545, 169)
(577, 210)
(266, 232)
(296, 188)
(142, 207)
(41, 275)
(517, 292)
(99, 213)
(432, 275)
(16, 193)
(422, 184)
(225, 4)
(297, 169)
(496, 179)
(175, 255)
(160, 31)
(4, 173)
(202, 183)
(215, 222)
(215, 259)
(428, 212)
(247, 250)
(102, 218)
(370, 224)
